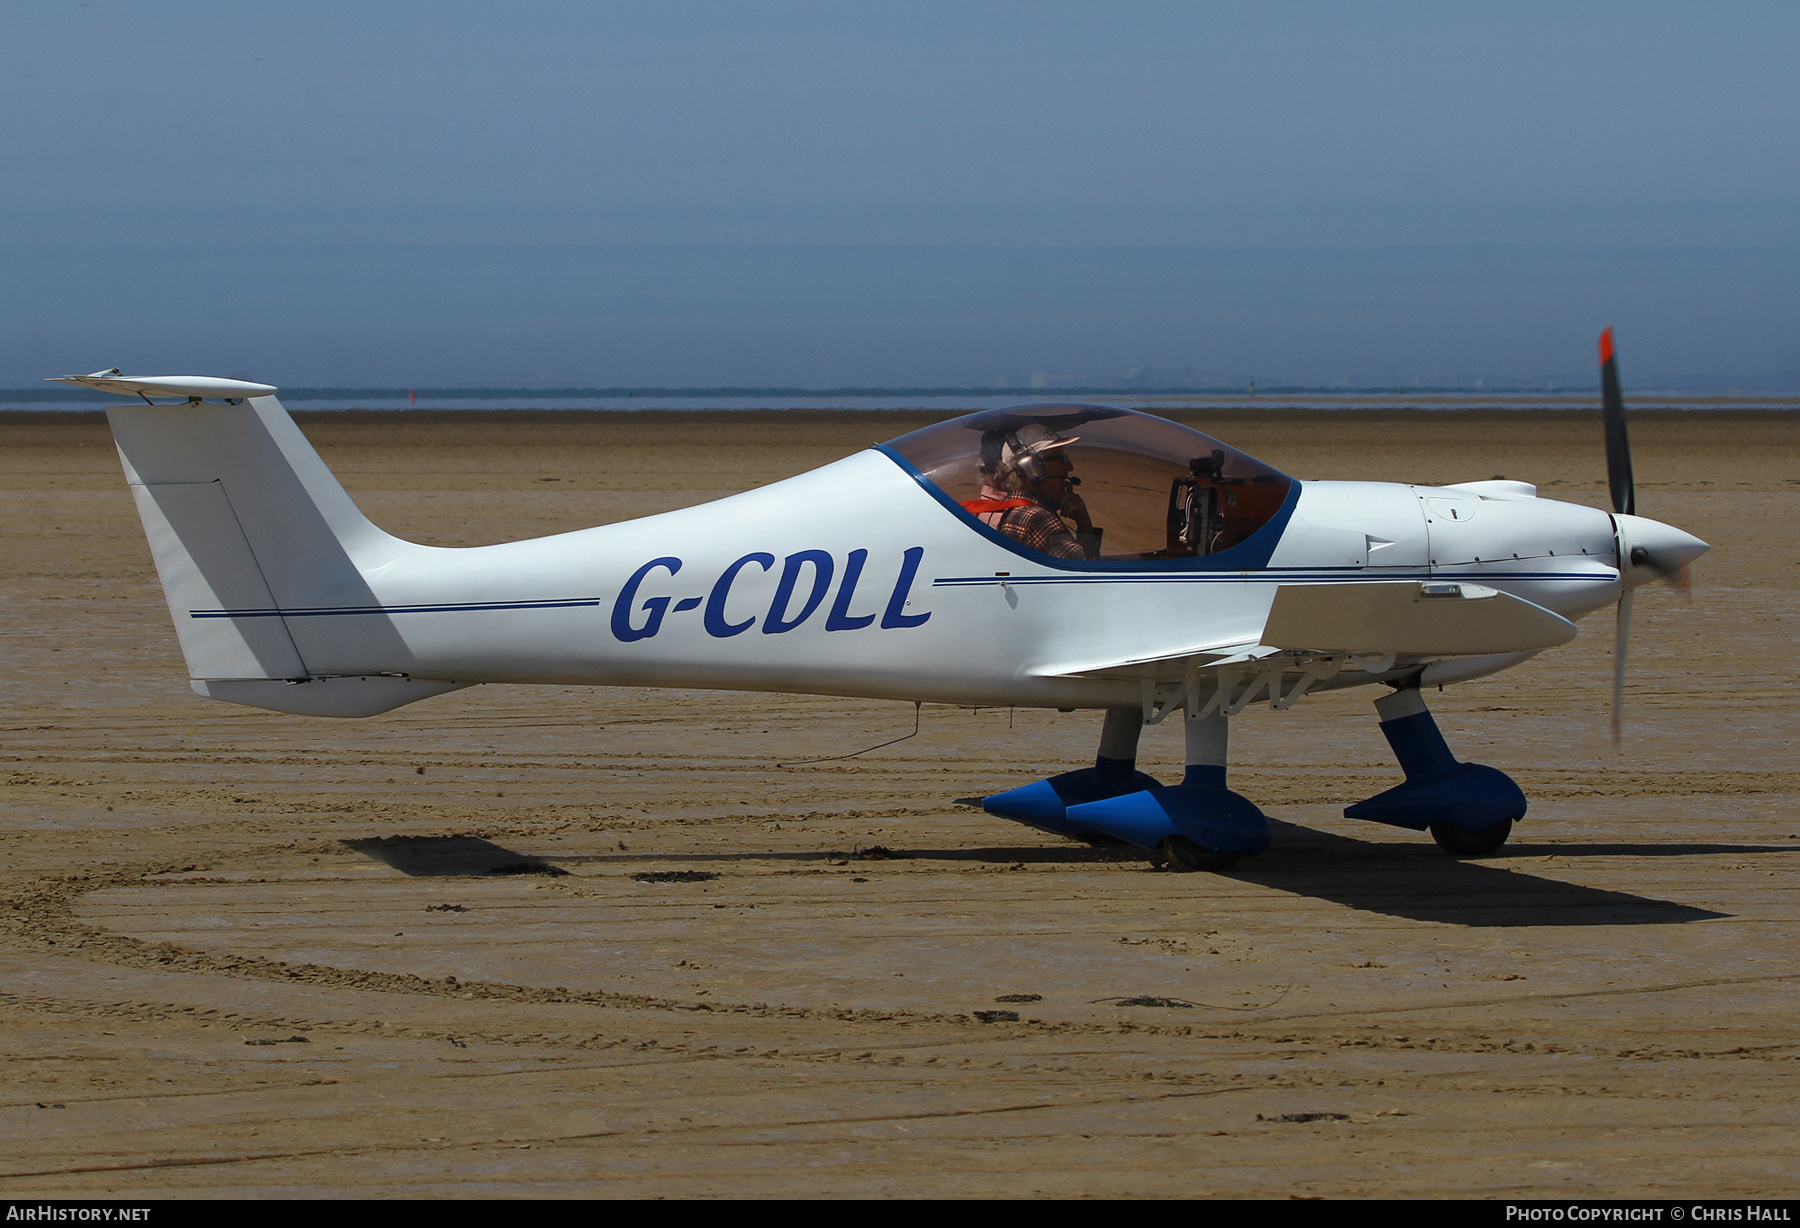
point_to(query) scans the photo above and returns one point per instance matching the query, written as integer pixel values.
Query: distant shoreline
(1396, 414)
(1174, 402)
(11, 396)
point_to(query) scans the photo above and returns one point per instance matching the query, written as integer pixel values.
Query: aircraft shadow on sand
(1419, 884)
(450, 857)
(1415, 883)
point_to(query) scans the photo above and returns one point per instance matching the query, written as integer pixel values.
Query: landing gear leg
(1045, 804)
(1198, 824)
(1469, 808)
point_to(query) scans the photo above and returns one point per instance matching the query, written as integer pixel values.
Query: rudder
(225, 617)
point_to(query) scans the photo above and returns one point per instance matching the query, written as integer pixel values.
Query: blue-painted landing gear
(1469, 808)
(1198, 824)
(1045, 804)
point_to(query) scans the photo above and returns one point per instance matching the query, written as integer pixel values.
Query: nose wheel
(1460, 842)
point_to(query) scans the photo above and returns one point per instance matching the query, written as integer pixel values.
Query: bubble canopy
(1154, 491)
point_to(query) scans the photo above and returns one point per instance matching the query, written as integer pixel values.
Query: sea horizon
(948, 399)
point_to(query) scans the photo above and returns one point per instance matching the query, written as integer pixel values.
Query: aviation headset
(1005, 450)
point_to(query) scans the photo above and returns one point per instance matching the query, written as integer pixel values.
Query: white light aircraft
(957, 564)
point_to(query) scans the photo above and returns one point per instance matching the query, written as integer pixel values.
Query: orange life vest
(980, 506)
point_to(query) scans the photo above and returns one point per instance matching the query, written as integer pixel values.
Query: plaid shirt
(1033, 526)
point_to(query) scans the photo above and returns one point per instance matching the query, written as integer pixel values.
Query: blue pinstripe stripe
(333, 611)
(1274, 577)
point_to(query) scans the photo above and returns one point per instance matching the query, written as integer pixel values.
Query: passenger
(1028, 489)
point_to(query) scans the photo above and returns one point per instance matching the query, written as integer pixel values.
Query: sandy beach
(616, 942)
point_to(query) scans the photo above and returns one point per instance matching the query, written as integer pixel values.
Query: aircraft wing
(1166, 665)
(1384, 619)
(1410, 619)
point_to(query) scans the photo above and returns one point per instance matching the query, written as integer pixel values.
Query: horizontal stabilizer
(1427, 619)
(202, 386)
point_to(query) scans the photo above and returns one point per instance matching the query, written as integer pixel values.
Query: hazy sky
(923, 193)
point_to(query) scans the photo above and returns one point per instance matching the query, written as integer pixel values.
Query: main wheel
(1459, 842)
(1185, 857)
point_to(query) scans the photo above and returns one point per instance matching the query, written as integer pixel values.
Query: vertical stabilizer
(248, 526)
(300, 524)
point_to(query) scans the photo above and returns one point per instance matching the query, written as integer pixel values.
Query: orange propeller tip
(1606, 346)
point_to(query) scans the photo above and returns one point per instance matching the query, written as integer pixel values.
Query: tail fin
(247, 524)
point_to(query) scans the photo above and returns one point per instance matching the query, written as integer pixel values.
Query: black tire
(1459, 842)
(1185, 857)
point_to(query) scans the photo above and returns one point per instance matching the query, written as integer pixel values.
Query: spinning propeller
(1644, 553)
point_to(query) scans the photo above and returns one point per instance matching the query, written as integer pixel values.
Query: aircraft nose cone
(1652, 548)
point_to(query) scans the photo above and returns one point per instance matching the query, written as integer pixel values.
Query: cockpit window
(1095, 482)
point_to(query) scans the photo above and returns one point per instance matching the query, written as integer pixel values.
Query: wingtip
(1606, 345)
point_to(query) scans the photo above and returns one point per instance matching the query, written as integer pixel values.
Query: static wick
(865, 750)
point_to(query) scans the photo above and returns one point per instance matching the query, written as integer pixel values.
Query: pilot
(1028, 491)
